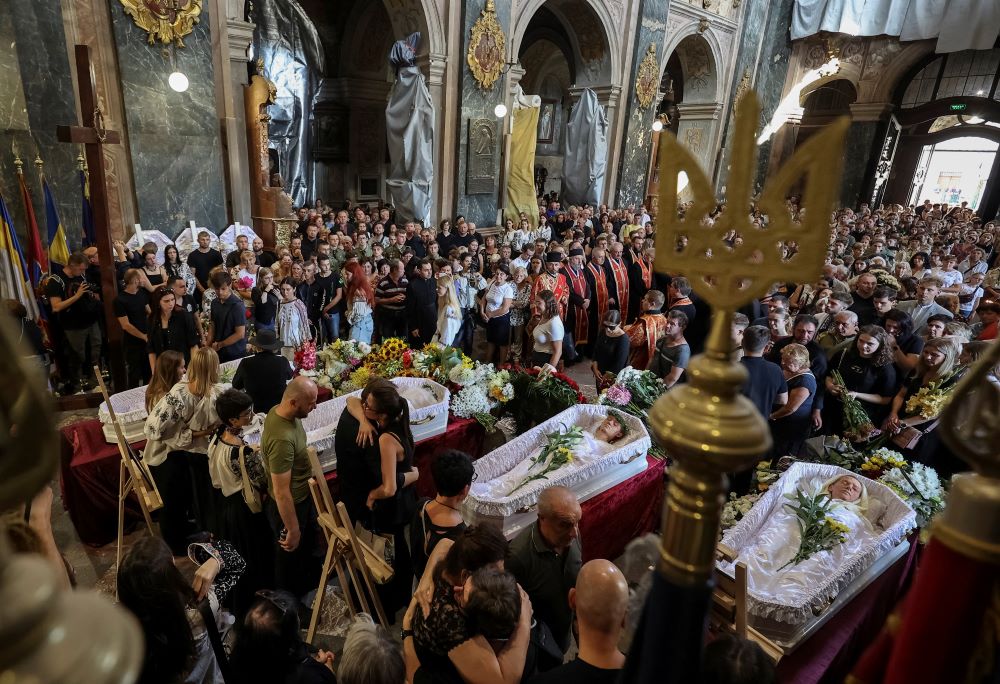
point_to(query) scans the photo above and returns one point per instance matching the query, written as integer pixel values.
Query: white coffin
(514, 513)
(791, 622)
(428, 417)
(130, 407)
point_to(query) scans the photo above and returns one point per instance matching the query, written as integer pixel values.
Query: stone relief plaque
(480, 173)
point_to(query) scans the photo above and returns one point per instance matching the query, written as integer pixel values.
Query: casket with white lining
(788, 622)
(517, 511)
(428, 417)
(130, 408)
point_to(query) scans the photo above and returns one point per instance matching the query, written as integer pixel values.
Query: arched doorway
(823, 106)
(948, 125)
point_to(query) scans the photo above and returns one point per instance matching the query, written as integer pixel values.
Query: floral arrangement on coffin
(881, 461)
(436, 361)
(226, 375)
(389, 359)
(557, 452)
(480, 388)
(920, 487)
(633, 391)
(541, 395)
(736, 508)
(339, 365)
(929, 401)
(305, 358)
(819, 531)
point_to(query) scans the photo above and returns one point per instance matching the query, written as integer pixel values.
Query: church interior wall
(35, 78)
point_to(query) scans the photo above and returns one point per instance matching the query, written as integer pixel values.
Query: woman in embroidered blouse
(228, 457)
(169, 370)
(293, 320)
(361, 299)
(449, 311)
(177, 432)
(167, 607)
(174, 266)
(519, 313)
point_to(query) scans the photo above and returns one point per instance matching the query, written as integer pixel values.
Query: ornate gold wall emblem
(647, 79)
(167, 21)
(486, 48)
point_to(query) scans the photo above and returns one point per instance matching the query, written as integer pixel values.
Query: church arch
(578, 16)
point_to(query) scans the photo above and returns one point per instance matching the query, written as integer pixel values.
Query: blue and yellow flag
(58, 249)
(14, 283)
(89, 237)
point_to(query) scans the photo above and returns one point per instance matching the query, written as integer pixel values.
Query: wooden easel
(346, 555)
(133, 476)
(729, 605)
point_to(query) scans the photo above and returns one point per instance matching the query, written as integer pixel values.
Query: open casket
(428, 417)
(818, 596)
(586, 475)
(130, 408)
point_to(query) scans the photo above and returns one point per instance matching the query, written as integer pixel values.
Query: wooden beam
(87, 136)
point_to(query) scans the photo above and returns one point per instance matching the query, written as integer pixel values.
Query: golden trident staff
(707, 426)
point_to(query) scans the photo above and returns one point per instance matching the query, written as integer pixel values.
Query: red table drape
(617, 516)
(89, 473)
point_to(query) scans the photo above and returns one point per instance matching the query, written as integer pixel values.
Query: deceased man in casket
(578, 444)
(819, 529)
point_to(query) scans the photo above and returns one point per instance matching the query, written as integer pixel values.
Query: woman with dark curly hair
(869, 376)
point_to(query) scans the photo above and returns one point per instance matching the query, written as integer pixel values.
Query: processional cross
(93, 136)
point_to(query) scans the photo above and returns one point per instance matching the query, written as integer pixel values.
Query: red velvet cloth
(89, 473)
(89, 481)
(617, 516)
(829, 654)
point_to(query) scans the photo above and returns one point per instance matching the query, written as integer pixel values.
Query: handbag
(250, 495)
(909, 436)
(384, 546)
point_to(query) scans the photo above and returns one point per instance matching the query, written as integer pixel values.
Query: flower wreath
(620, 419)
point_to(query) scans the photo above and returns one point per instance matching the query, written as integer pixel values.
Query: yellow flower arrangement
(837, 526)
(360, 377)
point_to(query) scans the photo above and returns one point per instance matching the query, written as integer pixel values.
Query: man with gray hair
(370, 655)
(546, 558)
(843, 330)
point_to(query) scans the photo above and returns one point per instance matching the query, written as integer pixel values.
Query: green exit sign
(958, 107)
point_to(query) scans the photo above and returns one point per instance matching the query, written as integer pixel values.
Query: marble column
(37, 85)
(479, 206)
(174, 138)
(638, 138)
(230, 49)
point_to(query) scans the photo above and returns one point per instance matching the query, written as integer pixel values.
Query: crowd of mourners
(908, 297)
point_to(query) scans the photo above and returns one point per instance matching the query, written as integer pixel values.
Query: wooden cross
(93, 136)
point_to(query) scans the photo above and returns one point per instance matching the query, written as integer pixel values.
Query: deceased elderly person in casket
(816, 530)
(572, 448)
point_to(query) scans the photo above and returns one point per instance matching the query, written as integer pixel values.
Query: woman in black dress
(611, 349)
(170, 327)
(233, 465)
(391, 502)
(265, 298)
(791, 422)
(869, 376)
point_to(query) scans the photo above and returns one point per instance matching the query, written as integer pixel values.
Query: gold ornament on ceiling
(166, 21)
(648, 78)
(486, 48)
(721, 431)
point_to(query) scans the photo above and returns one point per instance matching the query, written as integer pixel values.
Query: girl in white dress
(292, 321)
(449, 311)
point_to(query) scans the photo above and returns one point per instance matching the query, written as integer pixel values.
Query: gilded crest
(166, 21)
(486, 48)
(647, 78)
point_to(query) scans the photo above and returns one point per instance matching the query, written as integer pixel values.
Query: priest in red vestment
(577, 322)
(640, 280)
(619, 273)
(647, 330)
(601, 290)
(551, 279)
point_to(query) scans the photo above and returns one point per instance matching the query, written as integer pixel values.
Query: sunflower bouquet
(858, 426)
(819, 531)
(557, 452)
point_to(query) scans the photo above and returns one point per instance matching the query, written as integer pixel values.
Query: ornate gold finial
(970, 426)
(707, 425)
(487, 45)
(18, 164)
(81, 162)
(647, 78)
(48, 635)
(39, 164)
(166, 21)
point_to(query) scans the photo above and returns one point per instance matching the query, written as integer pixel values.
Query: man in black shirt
(864, 293)
(203, 260)
(310, 243)
(264, 375)
(227, 329)
(765, 387)
(233, 258)
(600, 601)
(265, 257)
(185, 302)
(132, 312)
(327, 292)
(421, 305)
(78, 308)
(414, 241)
